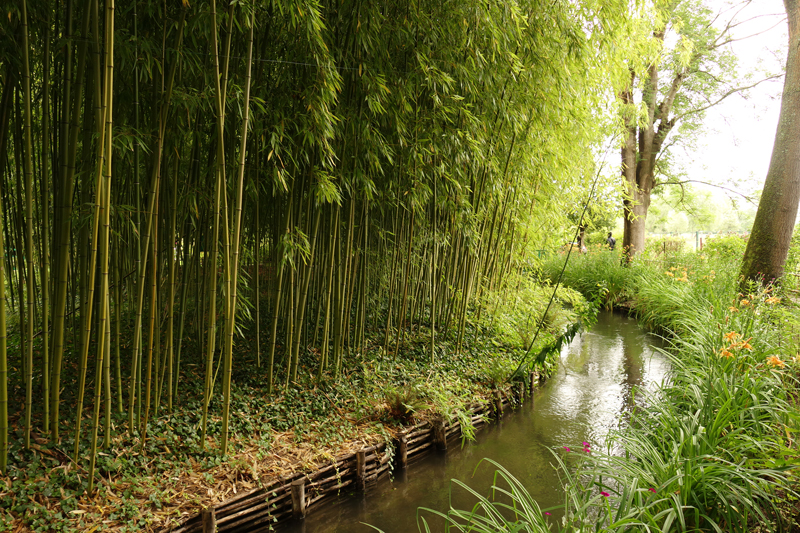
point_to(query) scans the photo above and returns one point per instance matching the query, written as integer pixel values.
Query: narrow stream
(581, 402)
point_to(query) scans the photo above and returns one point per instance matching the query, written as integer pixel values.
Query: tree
(689, 70)
(769, 241)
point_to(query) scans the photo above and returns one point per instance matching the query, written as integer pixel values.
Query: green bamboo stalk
(323, 363)
(5, 105)
(257, 260)
(234, 270)
(434, 224)
(105, 200)
(26, 85)
(188, 263)
(118, 324)
(152, 338)
(62, 244)
(136, 358)
(101, 115)
(218, 192)
(279, 259)
(45, 231)
(171, 283)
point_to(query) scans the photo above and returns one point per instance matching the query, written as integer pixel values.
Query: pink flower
(651, 489)
(587, 445)
(566, 448)
(587, 450)
(546, 513)
(605, 494)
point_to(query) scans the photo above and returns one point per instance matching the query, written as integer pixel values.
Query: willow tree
(683, 68)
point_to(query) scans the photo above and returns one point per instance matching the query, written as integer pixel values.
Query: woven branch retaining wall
(293, 495)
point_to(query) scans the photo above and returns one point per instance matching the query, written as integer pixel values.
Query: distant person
(611, 241)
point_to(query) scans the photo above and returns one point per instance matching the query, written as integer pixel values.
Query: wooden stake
(299, 498)
(209, 520)
(439, 435)
(498, 405)
(402, 450)
(361, 466)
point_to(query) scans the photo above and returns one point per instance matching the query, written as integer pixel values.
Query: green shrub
(599, 275)
(792, 266)
(515, 311)
(730, 247)
(668, 245)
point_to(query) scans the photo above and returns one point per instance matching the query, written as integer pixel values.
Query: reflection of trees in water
(633, 370)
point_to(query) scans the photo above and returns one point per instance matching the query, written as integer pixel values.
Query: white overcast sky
(736, 147)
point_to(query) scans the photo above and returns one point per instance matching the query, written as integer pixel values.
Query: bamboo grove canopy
(297, 177)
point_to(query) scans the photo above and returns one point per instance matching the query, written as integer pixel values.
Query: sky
(736, 146)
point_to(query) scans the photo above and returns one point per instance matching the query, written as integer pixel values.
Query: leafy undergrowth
(714, 449)
(152, 483)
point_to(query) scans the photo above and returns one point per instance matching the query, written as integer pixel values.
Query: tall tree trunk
(768, 245)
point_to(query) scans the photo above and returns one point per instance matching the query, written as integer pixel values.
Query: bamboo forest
(263, 256)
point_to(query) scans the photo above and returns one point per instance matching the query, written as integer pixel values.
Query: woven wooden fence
(292, 496)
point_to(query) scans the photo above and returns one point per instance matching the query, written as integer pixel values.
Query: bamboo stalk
(26, 84)
(212, 263)
(45, 228)
(231, 319)
(4, 121)
(105, 200)
(100, 112)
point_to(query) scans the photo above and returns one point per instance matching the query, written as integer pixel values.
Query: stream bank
(587, 396)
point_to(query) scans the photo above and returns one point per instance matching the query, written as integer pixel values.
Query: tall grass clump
(708, 451)
(598, 274)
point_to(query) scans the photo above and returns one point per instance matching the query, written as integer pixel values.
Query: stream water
(586, 397)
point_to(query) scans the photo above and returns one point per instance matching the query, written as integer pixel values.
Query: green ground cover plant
(714, 448)
(148, 483)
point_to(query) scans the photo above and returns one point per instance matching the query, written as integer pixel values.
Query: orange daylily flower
(773, 360)
(745, 345)
(733, 309)
(744, 303)
(731, 336)
(773, 300)
(725, 353)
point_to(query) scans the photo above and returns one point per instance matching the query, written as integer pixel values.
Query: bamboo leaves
(393, 153)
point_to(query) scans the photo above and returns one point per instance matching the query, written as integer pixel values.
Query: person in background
(611, 241)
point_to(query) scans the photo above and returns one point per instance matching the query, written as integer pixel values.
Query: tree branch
(665, 107)
(733, 191)
(725, 95)
(730, 24)
(736, 39)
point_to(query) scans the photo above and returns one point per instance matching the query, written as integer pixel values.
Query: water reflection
(589, 394)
